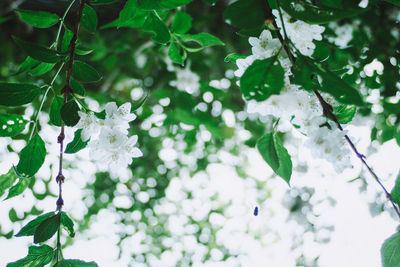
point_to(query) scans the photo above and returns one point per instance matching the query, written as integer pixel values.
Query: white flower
(264, 46)
(111, 139)
(344, 34)
(300, 33)
(118, 116)
(243, 64)
(115, 150)
(186, 80)
(130, 149)
(329, 144)
(89, 125)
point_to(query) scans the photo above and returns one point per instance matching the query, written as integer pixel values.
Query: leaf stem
(62, 22)
(328, 110)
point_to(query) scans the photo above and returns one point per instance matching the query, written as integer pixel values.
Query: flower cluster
(293, 104)
(300, 33)
(109, 142)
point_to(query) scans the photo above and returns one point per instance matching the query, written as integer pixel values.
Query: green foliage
(396, 191)
(154, 25)
(262, 79)
(390, 251)
(76, 144)
(83, 72)
(11, 125)
(234, 14)
(55, 110)
(30, 228)
(37, 256)
(69, 113)
(160, 4)
(7, 180)
(18, 188)
(182, 22)
(130, 16)
(47, 228)
(38, 19)
(313, 13)
(200, 40)
(89, 18)
(75, 263)
(344, 113)
(16, 94)
(176, 53)
(67, 224)
(77, 88)
(305, 74)
(203, 119)
(32, 156)
(275, 154)
(39, 52)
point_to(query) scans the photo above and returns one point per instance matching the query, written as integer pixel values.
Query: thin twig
(328, 111)
(66, 91)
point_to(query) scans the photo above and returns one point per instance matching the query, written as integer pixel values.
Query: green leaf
(47, 228)
(276, 155)
(83, 72)
(83, 52)
(37, 256)
(161, 4)
(32, 156)
(182, 22)
(67, 223)
(344, 113)
(16, 94)
(103, 2)
(77, 144)
(75, 263)
(38, 19)
(11, 125)
(233, 57)
(262, 79)
(310, 13)
(176, 53)
(89, 18)
(130, 16)
(7, 180)
(396, 191)
(390, 251)
(55, 111)
(201, 40)
(39, 52)
(77, 87)
(28, 64)
(30, 228)
(394, 2)
(139, 103)
(66, 40)
(41, 69)
(154, 25)
(69, 113)
(18, 189)
(256, 10)
(305, 74)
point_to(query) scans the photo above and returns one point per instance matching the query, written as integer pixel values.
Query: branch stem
(65, 92)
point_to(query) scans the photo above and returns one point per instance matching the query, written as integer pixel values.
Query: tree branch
(65, 92)
(327, 108)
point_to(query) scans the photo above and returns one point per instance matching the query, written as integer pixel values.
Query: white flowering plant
(131, 99)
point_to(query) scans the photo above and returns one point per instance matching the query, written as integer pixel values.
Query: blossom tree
(136, 101)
